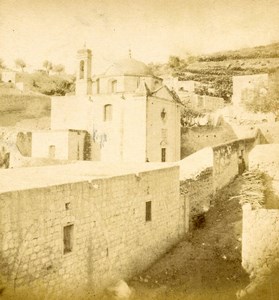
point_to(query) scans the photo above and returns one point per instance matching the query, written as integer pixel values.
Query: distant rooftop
(37, 177)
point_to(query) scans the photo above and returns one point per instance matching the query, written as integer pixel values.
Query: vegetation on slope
(46, 84)
(215, 71)
(41, 81)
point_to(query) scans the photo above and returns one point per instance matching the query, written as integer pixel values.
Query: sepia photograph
(139, 150)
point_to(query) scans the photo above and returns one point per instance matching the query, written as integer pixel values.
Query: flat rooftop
(37, 177)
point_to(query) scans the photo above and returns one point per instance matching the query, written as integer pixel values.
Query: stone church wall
(163, 132)
(66, 240)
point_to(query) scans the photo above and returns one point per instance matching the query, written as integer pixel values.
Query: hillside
(48, 84)
(25, 109)
(216, 70)
(30, 108)
(266, 51)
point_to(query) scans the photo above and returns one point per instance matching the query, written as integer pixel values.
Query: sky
(36, 30)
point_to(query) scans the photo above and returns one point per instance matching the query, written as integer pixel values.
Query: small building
(9, 77)
(247, 87)
(202, 103)
(177, 85)
(60, 144)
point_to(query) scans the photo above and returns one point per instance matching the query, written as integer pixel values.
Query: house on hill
(127, 113)
(246, 87)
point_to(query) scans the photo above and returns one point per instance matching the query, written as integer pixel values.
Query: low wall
(210, 169)
(70, 239)
(226, 162)
(260, 240)
(196, 138)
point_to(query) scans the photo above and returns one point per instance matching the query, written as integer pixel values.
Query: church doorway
(163, 154)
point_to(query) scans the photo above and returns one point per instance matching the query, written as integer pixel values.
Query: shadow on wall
(24, 143)
(87, 147)
(4, 158)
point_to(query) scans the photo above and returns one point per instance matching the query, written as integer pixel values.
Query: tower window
(148, 211)
(108, 112)
(81, 69)
(68, 232)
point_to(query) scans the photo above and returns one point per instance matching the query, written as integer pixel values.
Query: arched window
(81, 69)
(108, 112)
(114, 86)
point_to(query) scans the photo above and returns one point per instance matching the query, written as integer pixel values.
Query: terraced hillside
(216, 70)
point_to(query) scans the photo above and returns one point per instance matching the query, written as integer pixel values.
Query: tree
(20, 63)
(174, 62)
(48, 66)
(178, 64)
(58, 69)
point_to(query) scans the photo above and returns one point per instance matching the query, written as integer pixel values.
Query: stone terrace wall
(260, 240)
(110, 236)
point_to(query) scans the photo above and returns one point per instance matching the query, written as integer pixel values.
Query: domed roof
(128, 66)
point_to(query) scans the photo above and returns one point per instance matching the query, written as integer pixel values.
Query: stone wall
(230, 159)
(210, 169)
(70, 239)
(196, 138)
(260, 240)
(198, 192)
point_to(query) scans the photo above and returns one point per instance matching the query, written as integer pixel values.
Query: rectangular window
(163, 154)
(68, 232)
(148, 211)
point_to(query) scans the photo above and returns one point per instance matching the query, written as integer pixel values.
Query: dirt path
(205, 265)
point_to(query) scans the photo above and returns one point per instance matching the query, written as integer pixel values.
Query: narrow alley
(207, 263)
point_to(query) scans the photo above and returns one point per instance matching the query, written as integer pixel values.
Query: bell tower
(83, 80)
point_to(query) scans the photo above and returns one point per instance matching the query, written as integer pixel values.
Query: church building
(123, 115)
